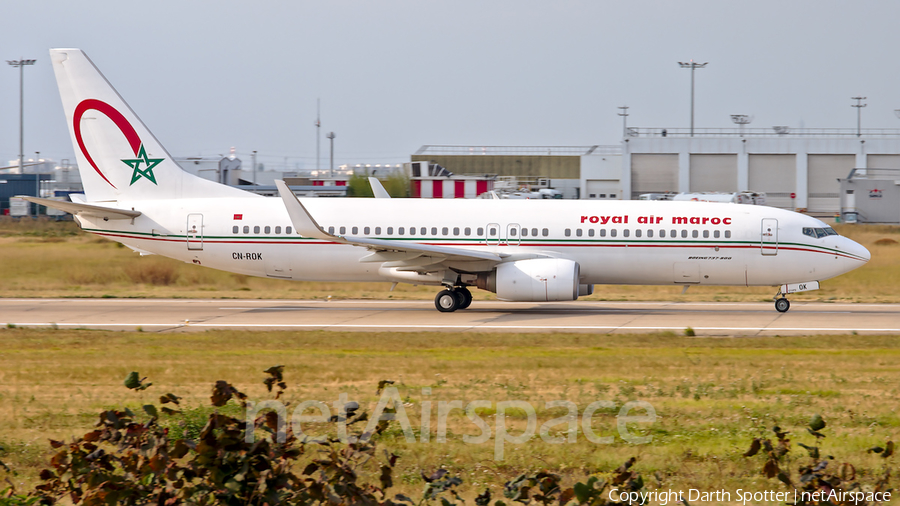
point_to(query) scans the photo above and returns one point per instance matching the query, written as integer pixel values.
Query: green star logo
(147, 171)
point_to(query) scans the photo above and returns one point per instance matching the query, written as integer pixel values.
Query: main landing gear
(458, 297)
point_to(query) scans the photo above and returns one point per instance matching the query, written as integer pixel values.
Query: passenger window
(590, 232)
(444, 231)
(354, 230)
(728, 234)
(246, 229)
(673, 233)
(512, 232)
(455, 230)
(649, 233)
(377, 230)
(412, 230)
(684, 233)
(234, 229)
(480, 231)
(343, 230)
(662, 232)
(626, 233)
(330, 230)
(390, 231)
(400, 231)
(278, 229)
(268, 229)
(695, 234)
(545, 232)
(524, 232)
(568, 232)
(433, 230)
(602, 232)
(366, 230)
(492, 232)
(423, 231)
(468, 231)
(534, 232)
(578, 232)
(716, 234)
(613, 232)
(256, 229)
(287, 230)
(706, 234)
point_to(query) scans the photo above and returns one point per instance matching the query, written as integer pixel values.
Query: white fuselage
(614, 242)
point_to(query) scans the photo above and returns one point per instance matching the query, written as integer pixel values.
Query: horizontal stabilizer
(106, 213)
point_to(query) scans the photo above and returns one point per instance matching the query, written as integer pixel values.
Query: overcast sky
(394, 75)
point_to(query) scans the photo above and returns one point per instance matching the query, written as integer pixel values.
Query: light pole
(693, 66)
(318, 127)
(254, 166)
(21, 64)
(330, 137)
(624, 115)
(859, 105)
(741, 120)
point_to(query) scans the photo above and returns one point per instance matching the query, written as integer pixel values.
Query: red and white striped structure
(456, 187)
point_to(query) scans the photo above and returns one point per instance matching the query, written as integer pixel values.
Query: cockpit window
(818, 233)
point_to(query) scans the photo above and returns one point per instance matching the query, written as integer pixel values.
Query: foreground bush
(136, 458)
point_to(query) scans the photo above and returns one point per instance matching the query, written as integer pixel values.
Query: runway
(738, 319)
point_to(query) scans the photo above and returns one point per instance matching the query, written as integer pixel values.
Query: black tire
(446, 301)
(464, 296)
(782, 305)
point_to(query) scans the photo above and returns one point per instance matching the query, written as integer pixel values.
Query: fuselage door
(512, 234)
(769, 236)
(194, 232)
(492, 234)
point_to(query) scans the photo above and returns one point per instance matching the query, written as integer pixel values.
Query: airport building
(796, 168)
(576, 171)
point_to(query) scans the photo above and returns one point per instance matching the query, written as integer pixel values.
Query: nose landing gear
(458, 297)
(781, 304)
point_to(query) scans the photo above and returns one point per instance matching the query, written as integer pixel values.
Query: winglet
(378, 189)
(303, 222)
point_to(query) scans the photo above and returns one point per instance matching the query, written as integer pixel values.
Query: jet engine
(535, 280)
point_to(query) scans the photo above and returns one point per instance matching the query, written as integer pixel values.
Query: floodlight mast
(859, 105)
(624, 115)
(21, 64)
(741, 120)
(318, 127)
(331, 137)
(693, 66)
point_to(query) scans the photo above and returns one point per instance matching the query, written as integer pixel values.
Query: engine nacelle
(535, 280)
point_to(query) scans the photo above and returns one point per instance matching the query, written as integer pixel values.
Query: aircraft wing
(109, 213)
(307, 226)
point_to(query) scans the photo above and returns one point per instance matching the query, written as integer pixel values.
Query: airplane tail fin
(118, 157)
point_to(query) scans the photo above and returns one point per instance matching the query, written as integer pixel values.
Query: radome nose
(858, 250)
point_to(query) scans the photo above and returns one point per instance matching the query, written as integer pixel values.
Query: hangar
(797, 168)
